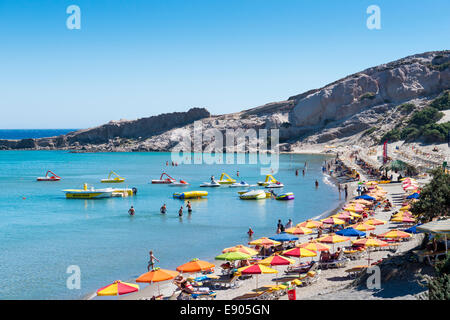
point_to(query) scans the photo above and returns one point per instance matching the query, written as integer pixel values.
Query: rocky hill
(358, 109)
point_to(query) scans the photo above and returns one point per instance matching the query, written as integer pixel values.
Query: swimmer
(131, 211)
(163, 209)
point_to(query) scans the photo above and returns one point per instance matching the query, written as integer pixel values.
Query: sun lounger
(225, 282)
(337, 263)
(304, 268)
(259, 295)
(429, 256)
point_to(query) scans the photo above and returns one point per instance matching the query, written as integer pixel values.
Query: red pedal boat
(168, 180)
(49, 176)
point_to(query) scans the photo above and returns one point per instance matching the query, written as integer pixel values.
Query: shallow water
(42, 233)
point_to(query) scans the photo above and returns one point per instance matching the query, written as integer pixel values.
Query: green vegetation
(442, 102)
(367, 95)
(439, 286)
(434, 199)
(369, 131)
(440, 67)
(407, 108)
(423, 125)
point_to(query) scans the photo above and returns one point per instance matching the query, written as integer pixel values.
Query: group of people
(163, 209)
(281, 228)
(326, 256)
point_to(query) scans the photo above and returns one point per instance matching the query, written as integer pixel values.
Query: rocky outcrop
(340, 112)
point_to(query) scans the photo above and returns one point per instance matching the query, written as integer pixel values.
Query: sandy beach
(332, 283)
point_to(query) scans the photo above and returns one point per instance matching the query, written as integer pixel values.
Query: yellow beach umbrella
(300, 252)
(241, 248)
(404, 219)
(333, 238)
(375, 222)
(256, 269)
(362, 227)
(298, 230)
(314, 246)
(264, 242)
(117, 288)
(394, 234)
(332, 220)
(370, 242)
(311, 224)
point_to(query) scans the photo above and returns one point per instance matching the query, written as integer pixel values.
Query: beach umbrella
(364, 202)
(351, 232)
(366, 197)
(299, 230)
(342, 216)
(375, 222)
(242, 249)
(402, 214)
(362, 227)
(233, 256)
(117, 288)
(157, 275)
(311, 224)
(411, 188)
(370, 242)
(413, 229)
(405, 208)
(256, 269)
(195, 265)
(332, 220)
(395, 234)
(300, 252)
(282, 237)
(353, 208)
(371, 183)
(276, 260)
(314, 246)
(333, 239)
(403, 219)
(264, 242)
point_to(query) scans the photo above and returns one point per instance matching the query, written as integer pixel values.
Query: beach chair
(225, 282)
(259, 295)
(337, 263)
(309, 278)
(303, 268)
(199, 296)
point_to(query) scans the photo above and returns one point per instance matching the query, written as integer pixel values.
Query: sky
(138, 58)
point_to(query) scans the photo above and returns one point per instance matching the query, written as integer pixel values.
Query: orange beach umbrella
(195, 265)
(157, 275)
(264, 242)
(299, 230)
(311, 224)
(314, 246)
(395, 234)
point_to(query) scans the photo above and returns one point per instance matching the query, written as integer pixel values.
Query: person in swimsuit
(163, 209)
(189, 207)
(151, 262)
(180, 212)
(131, 211)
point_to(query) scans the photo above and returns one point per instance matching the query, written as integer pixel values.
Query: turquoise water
(42, 233)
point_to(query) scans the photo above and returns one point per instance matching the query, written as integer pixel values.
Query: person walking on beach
(151, 262)
(131, 211)
(180, 212)
(189, 207)
(163, 209)
(317, 184)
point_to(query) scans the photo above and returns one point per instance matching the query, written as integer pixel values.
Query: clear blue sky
(134, 59)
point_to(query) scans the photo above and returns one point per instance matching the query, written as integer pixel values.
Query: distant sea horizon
(17, 134)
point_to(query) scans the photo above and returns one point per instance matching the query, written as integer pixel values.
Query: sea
(17, 134)
(44, 237)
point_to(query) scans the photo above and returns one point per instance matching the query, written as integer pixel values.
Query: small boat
(180, 183)
(285, 196)
(275, 185)
(116, 179)
(228, 180)
(167, 180)
(269, 180)
(240, 184)
(49, 176)
(89, 193)
(253, 195)
(211, 184)
(190, 195)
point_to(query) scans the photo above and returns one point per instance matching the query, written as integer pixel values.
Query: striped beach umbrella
(362, 226)
(276, 260)
(299, 230)
(264, 242)
(395, 234)
(256, 269)
(300, 252)
(332, 220)
(311, 224)
(375, 222)
(404, 219)
(117, 288)
(314, 246)
(370, 242)
(333, 239)
(241, 248)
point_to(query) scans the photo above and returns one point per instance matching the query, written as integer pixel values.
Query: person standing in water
(237, 173)
(163, 209)
(131, 211)
(180, 212)
(317, 184)
(151, 262)
(346, 191)
(296, 172)
(303, 172)
(250, 232)
(188, 206)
